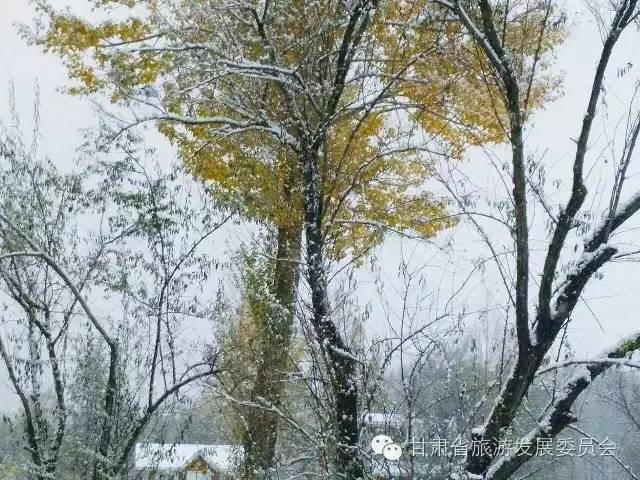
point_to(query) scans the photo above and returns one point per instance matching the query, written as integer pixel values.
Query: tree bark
(261, 434)
(341, 363)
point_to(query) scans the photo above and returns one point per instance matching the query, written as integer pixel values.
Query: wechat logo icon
(384, 445)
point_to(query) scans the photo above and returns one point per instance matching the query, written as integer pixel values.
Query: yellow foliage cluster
(449, 79)
(85, 48)
(369, 179)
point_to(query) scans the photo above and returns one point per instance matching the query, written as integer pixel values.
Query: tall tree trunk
(341, 364)
(261, 431)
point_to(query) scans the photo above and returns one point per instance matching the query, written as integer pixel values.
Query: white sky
(614, 301)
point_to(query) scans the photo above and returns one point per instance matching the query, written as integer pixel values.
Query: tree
(274, 99)
(291, 120)
(559, 287)
(55, 263)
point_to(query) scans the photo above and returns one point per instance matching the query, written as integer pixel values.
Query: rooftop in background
(171, 457)
(380, 419)
(384, 419)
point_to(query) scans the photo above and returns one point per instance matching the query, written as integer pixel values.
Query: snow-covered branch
(559, 415)
(37, 251)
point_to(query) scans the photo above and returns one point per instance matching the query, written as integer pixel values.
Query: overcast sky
(614, 301)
